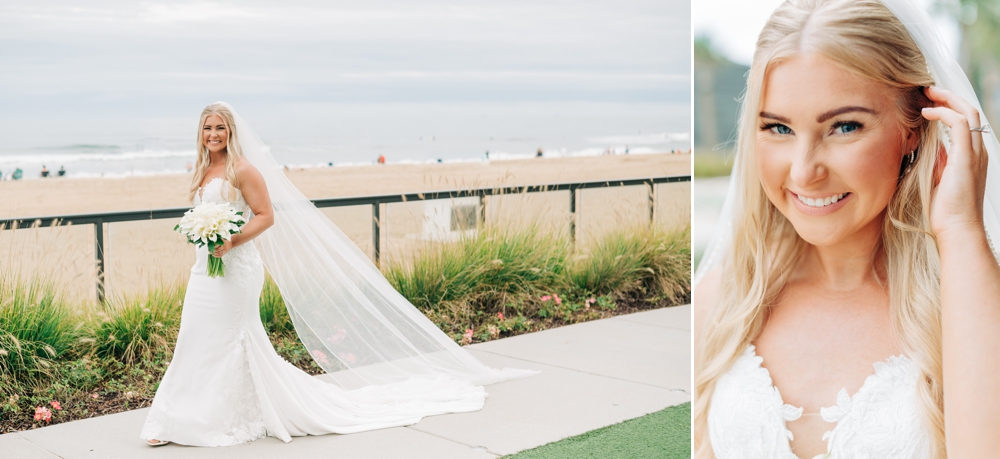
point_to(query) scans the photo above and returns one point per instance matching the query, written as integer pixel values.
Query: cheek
(771, 169)
(876, 167)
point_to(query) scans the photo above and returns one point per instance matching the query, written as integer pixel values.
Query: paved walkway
(593, 374)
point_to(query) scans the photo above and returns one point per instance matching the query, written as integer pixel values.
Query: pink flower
(341, 333)
(319, 355)
(43, 414)
(500, 315)
(94, 395)
(467, 337)
(558, 300)
(348, 357)
(546, 298)
(55, 404)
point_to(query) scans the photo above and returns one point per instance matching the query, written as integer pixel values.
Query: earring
(908, 162)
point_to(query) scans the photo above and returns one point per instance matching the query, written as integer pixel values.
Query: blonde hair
(233, 152)
(864, 37)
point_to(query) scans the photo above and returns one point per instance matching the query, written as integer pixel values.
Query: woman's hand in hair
(960, 175)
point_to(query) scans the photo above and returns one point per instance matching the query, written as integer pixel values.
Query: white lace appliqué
(747, 417)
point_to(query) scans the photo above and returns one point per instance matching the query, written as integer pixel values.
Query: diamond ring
(985, 129)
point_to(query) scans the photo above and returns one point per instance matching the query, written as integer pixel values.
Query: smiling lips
(821, 202)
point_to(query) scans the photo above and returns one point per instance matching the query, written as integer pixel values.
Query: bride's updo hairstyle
(863, 37)
(233, 152)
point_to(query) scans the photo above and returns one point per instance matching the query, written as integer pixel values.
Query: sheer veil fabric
(947, 74)
(354, 324)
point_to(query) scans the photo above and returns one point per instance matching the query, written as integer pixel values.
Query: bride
(387, 365)
(857, 240)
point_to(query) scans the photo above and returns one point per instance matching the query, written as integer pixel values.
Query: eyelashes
(776, 128)
(845, 127)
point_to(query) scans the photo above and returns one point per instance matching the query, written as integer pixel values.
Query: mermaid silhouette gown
(226, 385)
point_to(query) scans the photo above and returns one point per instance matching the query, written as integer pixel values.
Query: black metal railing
(99, 219)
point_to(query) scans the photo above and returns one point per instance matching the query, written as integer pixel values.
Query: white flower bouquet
(211, 224)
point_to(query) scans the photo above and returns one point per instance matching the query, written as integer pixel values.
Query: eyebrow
(774, 117)
(842, 110)
(824, 116)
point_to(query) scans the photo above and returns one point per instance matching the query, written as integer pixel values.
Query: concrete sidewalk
(593, 374)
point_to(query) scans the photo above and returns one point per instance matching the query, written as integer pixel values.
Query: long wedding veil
(947, 74)
(354, 324)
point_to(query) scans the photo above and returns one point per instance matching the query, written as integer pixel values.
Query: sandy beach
(148, 253)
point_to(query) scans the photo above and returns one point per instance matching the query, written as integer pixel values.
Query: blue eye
(846, 127)
(775, 128)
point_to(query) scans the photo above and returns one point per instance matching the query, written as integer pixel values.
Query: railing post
(99, 251)
(482, 211)
(375, 230)
(652, 201)
(572, 214)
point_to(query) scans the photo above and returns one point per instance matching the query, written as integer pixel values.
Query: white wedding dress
(226, 385)
(746, 418)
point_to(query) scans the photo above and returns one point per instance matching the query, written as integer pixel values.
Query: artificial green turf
(661, 435)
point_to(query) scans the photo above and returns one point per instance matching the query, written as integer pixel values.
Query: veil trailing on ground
(947, 74)
(355, 325)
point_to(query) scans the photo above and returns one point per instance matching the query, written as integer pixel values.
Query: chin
(818, 235)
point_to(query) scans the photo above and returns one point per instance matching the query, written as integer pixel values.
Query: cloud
(199, 12)
(376, 51)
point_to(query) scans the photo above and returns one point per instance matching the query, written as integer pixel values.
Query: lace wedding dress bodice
(226, 385)
(746, 418)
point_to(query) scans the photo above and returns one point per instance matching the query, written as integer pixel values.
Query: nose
(808, 165)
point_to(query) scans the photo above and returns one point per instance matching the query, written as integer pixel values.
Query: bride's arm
(970, 287)
(255, 194)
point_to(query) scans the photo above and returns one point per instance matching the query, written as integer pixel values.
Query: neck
(847, 265)
(216, 157)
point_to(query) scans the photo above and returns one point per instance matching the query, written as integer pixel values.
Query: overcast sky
(161, 58)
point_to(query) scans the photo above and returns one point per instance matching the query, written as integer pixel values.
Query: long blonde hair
(233, 152)
(864, 37)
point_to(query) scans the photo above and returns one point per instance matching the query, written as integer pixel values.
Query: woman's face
(215, 134)
(829, 149)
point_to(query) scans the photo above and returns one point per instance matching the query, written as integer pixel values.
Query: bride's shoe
(155, 442)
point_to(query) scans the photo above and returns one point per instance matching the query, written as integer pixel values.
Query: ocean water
(320, 135)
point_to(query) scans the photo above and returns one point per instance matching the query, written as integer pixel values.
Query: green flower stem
(215, 266)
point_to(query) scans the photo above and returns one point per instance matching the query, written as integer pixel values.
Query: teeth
(822, 202)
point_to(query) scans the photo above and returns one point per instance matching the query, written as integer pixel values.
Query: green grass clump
(493, 267)
(662, 435)
(647, 259)
(505, 281)
(273, 313)
(35, 328)
(135, 328)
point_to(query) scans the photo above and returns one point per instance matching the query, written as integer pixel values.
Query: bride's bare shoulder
(246, 173)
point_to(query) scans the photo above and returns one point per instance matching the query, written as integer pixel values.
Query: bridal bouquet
(211, 224)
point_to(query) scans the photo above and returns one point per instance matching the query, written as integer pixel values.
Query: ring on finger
(985, 129)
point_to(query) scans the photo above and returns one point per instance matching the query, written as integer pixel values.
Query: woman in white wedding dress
(387, 364)
(853, 269)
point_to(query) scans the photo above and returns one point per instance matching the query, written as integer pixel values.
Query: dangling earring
(908, 161)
